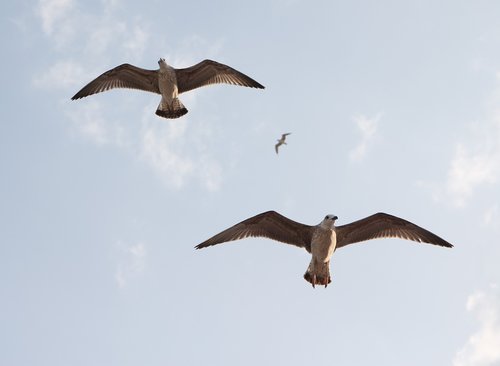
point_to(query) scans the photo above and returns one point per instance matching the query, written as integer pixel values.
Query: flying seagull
(281, 141)
(167, 81)
(323, 239)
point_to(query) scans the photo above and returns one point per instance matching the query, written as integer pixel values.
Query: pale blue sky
(393, 106)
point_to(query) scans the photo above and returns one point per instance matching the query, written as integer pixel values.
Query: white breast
(167, 83)
(323, 244)
(333, 245)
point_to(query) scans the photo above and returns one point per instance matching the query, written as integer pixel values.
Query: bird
(167, 81)
(323, 239)
(281, 141)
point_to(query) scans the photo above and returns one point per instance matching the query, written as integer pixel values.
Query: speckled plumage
(323, 239)
(167, 81)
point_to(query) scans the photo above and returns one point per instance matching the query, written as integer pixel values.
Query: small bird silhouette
(281, 141)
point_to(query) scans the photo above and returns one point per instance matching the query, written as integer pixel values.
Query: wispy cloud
(368, 129)
(475, 163)
(483, 347)
(89, 121)
(53, 12)
(160, 148)
(62, 74)
(469, 170)
(131, 261)
(175, 150)
(59, 20)
(491, 216)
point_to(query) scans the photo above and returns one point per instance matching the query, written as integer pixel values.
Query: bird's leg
(314, 281)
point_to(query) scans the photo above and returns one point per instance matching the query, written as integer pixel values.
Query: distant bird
(281, 141)
(323, 239)
(168, 82)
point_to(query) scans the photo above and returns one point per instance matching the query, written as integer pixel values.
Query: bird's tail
(174, 109)
(318, 273)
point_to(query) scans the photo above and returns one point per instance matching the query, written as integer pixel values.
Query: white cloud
(89, 121)
(53, 11)
(491, 216)
(131, 262)
(468, 171)
(62, 74)
(175, 150)
(476, 162)
(368, 128)
(105, 33)
(174, 153)
(59, 21)
(483, 347)
(136, 43)
(159, 149)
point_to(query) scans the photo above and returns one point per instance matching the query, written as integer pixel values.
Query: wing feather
(209, 72)
(268, 224)
(123, 76)
(382, 225)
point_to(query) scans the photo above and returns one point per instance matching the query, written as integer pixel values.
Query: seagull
(281, 141)
(323, 239)
(167, 81)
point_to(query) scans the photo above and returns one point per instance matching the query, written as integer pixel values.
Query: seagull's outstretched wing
(123, 76)
(283, 136)
(270, 225)
(276, 147)
(211, 72)
(382, 225)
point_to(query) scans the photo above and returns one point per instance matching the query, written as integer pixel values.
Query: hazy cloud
(491, 216)
(468, 170)
(368, 129)
(476, 158)
(483, 347)
(62, 74)
(175, 154)
(53, 11)
(159, 148)
(131, 262)
(89, 121)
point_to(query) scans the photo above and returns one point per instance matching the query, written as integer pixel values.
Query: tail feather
(175, 109)
(318, 273)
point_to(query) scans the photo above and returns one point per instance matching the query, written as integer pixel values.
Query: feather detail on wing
(123, 76)
(382, 225)
(209, 72)
(270, 225)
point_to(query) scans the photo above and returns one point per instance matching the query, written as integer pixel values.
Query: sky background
(393, 106)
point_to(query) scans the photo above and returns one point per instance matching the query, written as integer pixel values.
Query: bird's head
(161, 62)
(329, 221)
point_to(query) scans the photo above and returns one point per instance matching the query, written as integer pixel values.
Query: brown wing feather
(209, 72)
(268, 224)
(382, 225)
(123, 76)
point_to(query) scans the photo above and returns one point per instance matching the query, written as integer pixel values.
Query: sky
(393, 106)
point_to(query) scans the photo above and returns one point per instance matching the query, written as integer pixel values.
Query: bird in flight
(281, 141)
(323, 239)
(167, 81)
